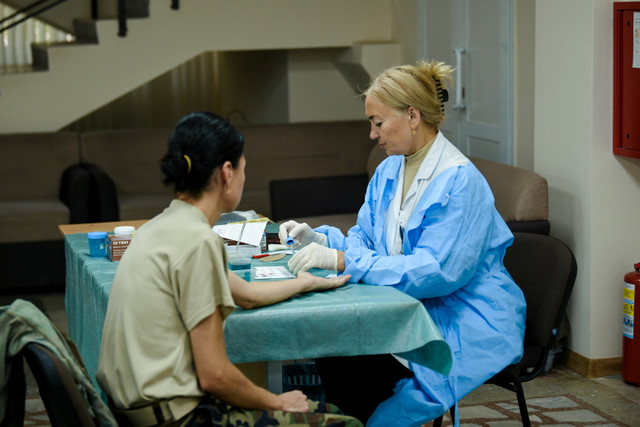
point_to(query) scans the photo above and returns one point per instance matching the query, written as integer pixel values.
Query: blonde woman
(428, 227)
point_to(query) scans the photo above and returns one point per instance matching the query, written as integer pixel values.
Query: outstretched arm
(250, 295)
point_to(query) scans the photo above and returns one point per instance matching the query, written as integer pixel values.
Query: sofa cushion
(32, 221)
(273, 151)
(142, 206)
(34, 163)
(31, 168)
(281, 151)
(300, 150)
(255, 200)
(131, 158)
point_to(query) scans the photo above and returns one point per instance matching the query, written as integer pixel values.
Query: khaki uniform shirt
(172, 276)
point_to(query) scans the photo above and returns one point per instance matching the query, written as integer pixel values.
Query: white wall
(312, 77)
(251, 86)
(523, 82)
(594, 195)
(87, 77)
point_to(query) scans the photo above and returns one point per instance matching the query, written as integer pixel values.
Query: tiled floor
(559, 397)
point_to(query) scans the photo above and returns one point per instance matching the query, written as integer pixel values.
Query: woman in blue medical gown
(429, 228)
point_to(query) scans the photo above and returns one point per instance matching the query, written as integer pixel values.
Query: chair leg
(509, 380)
(452, 413)
(14, 414)
(522, 404)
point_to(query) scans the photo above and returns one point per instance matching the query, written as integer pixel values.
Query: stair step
(17, 69)
(40, 52)
(85, 30)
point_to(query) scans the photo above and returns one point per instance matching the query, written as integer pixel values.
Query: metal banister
(122, 13)
(122, 18)
(29, 15)
(23, 10)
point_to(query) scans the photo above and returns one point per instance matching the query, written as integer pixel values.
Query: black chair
(545, 269)
(62, 399)
(316, 196)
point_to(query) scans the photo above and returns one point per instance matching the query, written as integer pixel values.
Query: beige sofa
(125, 166)
(38, 192)
(65, 177)
(125, 163)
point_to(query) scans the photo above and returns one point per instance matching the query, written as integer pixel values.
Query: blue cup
(97, 243)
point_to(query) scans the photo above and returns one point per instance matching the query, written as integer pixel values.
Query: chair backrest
(64, 403)
(545, 269)
(521, 195)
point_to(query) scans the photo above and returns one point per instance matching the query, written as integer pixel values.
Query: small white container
(124, 230)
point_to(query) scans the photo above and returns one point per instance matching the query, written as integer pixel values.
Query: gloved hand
(314, 256)
(301, 233)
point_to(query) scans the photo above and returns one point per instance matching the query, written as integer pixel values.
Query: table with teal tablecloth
(355, 319)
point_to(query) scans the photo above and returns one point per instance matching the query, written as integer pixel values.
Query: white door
(476, 37)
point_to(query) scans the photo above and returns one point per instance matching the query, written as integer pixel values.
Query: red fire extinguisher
(630, 332)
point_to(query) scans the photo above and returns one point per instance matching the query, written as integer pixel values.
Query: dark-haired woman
(163, 359)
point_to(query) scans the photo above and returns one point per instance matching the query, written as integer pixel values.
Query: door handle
(459, 105)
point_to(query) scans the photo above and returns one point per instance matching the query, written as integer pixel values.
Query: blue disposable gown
(452, 251)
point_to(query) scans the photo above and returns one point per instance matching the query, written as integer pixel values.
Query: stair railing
(29, 15)
(122, 14)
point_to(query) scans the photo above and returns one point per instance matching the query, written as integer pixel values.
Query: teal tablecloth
(352, 320)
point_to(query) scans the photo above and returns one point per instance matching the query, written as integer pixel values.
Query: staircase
(102, 66)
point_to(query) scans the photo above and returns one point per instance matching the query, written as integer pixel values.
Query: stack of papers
(249, 232)
(276, 272)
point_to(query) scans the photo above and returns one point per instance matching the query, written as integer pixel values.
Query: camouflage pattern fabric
(214, 413)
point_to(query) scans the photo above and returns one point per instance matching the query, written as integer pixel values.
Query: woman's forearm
(217, 375)
(234, 388)
(250, 295)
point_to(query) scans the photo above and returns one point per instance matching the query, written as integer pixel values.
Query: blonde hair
(414, 86)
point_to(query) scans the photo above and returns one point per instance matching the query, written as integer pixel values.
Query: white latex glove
(314, 256)
(302, 234)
